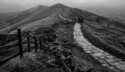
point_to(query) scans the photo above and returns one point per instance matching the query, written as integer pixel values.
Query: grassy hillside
(5, 38)
(107, 31)
(40, 17)
(47, 60)
(57, 33)
(106, 36)
(8, 19)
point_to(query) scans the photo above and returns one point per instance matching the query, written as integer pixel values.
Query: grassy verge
(98, 43)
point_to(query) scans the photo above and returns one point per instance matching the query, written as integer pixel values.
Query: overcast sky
(24, 4)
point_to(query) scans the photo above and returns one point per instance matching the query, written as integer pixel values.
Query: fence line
(21, 42)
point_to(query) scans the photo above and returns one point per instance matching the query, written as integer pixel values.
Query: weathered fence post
(20, 43)
(28, 40)
(35, 43)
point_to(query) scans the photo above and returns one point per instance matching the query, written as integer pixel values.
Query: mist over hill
(109, 12)
(6, 8)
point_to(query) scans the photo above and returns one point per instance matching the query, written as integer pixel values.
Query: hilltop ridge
(97, 27)
(38, 13)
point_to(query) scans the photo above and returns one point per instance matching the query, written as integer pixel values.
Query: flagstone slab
(122, 67)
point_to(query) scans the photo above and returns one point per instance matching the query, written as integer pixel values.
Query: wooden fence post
(28, 40)
(20, 43)
(35, 43)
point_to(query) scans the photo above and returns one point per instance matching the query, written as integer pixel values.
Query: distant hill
(7, 19)
(112, 13)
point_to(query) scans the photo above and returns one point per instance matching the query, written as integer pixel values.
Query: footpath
(103, 57)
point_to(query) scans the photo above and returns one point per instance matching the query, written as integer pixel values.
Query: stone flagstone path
(103, 57)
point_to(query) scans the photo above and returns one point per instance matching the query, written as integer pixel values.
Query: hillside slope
(41, 16)
(7, 19)
(107, 35)
(102, 32)
(112, 13)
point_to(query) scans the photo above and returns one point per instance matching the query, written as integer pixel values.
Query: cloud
(70, 2)
(73, 3)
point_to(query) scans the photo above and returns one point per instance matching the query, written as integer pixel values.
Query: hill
(7, 19)
(41, 17)
(112, 13)
(59, 19)
(99, 27)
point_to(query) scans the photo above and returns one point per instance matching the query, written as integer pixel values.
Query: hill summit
(39, 15)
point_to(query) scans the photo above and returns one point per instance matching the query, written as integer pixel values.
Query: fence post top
(19, 29)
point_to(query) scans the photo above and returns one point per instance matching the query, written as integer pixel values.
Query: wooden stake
(20, 43)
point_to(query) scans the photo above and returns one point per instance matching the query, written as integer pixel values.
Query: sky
(17, 5)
